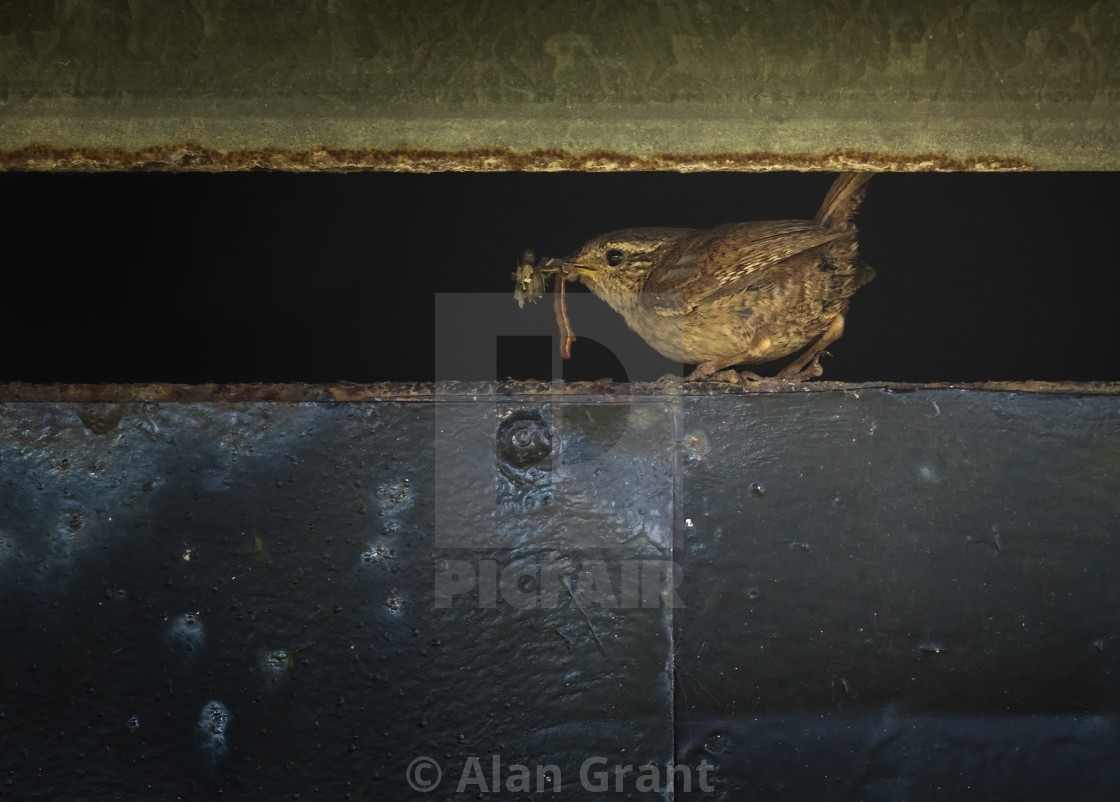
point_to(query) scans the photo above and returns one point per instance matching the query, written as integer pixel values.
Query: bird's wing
(719, 262)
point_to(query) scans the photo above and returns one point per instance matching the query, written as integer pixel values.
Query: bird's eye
(614, 257)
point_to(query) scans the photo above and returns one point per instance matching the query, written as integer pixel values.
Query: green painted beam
(212, 84)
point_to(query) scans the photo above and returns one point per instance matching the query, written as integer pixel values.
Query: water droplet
(757, 490)
(931, 647)
(753, 594)
(276, 661)
(70, 523)
(929, 474)
(376, 552)
(695, 447)
(395, 601)
(148, 426)
(212, 724)
(187, 633)
(394, 496)
(133, 723)
(538, 498)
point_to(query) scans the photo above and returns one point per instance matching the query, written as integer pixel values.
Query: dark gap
(282, 277)
(518, 357)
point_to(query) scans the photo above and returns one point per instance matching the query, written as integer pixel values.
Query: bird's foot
(748, 376)
(728, 377)
(796, 373)
(702, 372)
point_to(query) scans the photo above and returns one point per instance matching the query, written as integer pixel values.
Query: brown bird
(737, 294)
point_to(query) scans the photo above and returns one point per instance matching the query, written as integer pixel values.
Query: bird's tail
(842, 200)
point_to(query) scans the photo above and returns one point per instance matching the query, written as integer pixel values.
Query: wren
(737, 294)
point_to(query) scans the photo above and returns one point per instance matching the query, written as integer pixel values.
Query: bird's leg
(705, 370)
(805, 367)
(715, 370)
(808, 365)
(810, 371)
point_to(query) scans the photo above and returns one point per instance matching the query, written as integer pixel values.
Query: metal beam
(351, 84)
(857, 589)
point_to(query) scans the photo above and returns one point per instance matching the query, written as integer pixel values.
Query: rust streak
(453, 391)
(194, 157)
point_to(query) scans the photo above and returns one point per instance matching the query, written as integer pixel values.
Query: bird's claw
(810, 371)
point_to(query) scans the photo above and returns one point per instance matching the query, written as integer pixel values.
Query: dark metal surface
(901, 595)
(859, 593)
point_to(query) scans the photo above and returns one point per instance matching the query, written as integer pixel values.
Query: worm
(561, 309)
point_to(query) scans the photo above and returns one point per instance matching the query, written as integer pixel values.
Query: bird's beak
(567, 266)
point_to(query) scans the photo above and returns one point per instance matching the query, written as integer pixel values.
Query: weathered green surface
(680, 85)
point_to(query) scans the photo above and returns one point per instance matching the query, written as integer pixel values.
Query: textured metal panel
(899, 590)
(855, 593)
(208, 84)
(281, 561)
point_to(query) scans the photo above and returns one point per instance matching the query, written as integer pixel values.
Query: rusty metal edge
(193, 157)
(425, 392)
